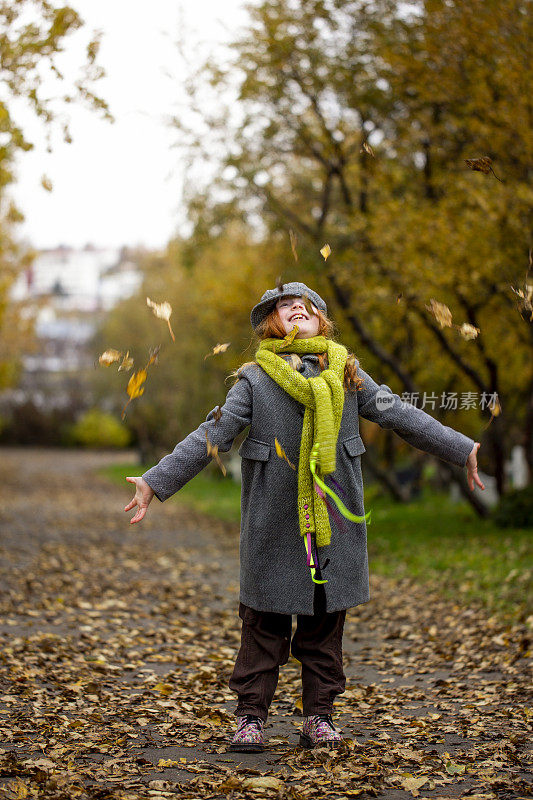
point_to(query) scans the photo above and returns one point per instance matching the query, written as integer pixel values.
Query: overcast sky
(118, 183)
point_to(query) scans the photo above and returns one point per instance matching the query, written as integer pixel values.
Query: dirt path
(117, 642)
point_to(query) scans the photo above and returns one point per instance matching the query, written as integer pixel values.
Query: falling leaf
(526, 294)
(46, 183)
(441, 312)
(325, 251)
(127, 363)
(217, 414)
(153, 356)
(282, 454)
(308, 305)
(109, 357)
(495, 406)
(293, 239)
(367, 149)
(468, 331)
(218, 348)
(135, 387)
(212, 450)
(162, 311)
(399, 298)
(483, 164)
(495, 409)
(527, 298)
(289, 338)
(279, 284)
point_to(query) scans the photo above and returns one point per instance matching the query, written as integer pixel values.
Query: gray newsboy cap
(271, 297)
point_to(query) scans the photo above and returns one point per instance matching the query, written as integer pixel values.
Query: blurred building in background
(68, 291)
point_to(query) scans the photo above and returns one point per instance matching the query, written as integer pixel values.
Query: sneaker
(248, 737)
(319, 731)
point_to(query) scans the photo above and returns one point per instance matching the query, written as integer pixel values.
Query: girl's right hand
(143, 496)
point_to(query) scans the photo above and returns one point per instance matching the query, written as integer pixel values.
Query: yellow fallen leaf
(164, 688)
(325, 251)
(212, 450)
(290, 337)
(412, 784)
(495, 406)
(282, 454)
(135, 387)
(22, 790)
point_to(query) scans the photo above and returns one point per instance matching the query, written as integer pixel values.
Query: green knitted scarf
(323, 397)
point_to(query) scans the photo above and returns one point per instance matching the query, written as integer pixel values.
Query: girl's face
(292, 311)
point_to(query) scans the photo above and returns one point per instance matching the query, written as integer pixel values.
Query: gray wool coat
(274, 575)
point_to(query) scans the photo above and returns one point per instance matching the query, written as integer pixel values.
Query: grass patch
(431, 540)
(207, 493)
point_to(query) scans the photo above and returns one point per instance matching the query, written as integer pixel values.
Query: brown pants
(265, 646)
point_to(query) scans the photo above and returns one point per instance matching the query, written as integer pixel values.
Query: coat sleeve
(378, 403)
(189, 456)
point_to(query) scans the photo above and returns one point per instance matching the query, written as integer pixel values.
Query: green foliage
(95, 428)
(427, 85)
(515, 509)
(209, 492)
(32, 35)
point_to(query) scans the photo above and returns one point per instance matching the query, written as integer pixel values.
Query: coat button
(307, 524)
(306, 506)
(307, 516)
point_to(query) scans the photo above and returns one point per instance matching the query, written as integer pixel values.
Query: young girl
(303, 525)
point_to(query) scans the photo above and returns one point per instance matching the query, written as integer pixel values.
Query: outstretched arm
(189, 456)
(378, 403)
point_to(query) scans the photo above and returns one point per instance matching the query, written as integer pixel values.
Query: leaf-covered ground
(117, 643)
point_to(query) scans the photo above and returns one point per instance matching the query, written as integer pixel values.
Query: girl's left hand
(471, 468)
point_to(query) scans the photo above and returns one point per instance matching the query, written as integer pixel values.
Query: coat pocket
(254, 449)
(354, 445)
